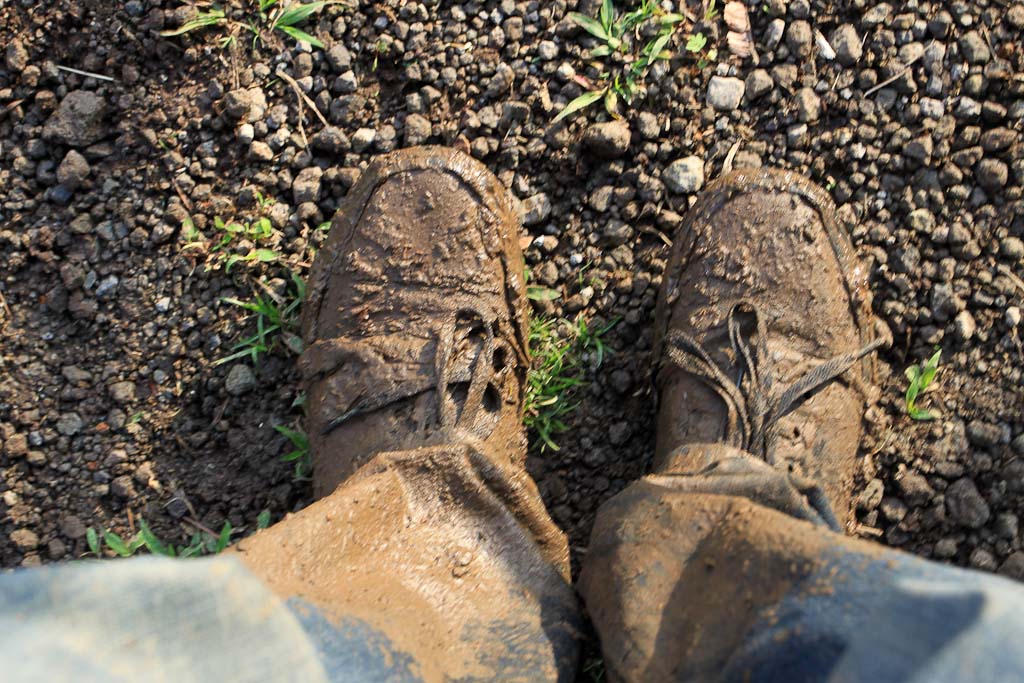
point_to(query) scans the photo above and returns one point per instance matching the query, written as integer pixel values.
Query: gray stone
(17, 56)
(998, 139)
(893, 509)
(1013, 566)
(773, 34)
(878, 14)
(260, 151)
(332, 140)
(871, 497)
(808, 105)
(122, 392)
(1012, 248)
(245, 104)
(69, 424)
(25, 540)
(73, 170)
(306, 186)
(915, 489)
(417, 130)
(339, 58)
(725, 92)
(986, 435)
(536, 209)
(608, 140)
(240, 380)
(684, 176)
(363, 139)
(965, 505)
(647, 125)
(992, 174)
(78, 121)
(759, 82)
(974, 48)
(982, 559)
(945, 548)
(799, 39)
(964, 326)
(846, 43)
(617, 232)
(921, 220)
(123, 487)
(919, 149)
(72, 527)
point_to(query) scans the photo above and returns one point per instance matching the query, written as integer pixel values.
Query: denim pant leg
(429, 565)
(695, 587)
(149, 619)
(892, 617)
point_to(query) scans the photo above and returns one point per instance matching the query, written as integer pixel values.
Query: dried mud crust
(111, 407)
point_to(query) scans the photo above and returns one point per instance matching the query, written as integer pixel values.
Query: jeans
(680, 586)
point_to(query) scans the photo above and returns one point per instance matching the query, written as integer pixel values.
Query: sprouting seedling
(921, 377)
(271, 13)
(300, 450)
(620, 34)
(696, 42)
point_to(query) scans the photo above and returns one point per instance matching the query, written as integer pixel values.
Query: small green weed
(538, 292)
(300, 451)
(556, 371)
(625, 58)
(227, 235)
(268, 15)
(920, 377)
(201, 543)
(277, 322)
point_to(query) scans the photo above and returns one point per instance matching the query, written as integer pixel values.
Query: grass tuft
(201, 543)
(276, 319)
(556, 372)
(921, 377)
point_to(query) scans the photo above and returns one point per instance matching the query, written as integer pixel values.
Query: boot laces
(754, 403)
(468, 320)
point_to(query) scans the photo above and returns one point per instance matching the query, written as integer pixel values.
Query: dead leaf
(740, 44)
(736, 17)
(740, 39)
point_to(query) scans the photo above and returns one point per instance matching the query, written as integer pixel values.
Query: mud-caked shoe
(415, 322)
(764, 346)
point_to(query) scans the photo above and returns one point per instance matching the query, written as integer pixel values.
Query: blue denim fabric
(889, 617)
(149, 619)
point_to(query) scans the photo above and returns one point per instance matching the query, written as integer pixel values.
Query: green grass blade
(301, 36)
(263, 519)
(591, 26)
(202, 20)
(581, 102)
(115, 543)
(93, 541)
(298, 13)
(152, 543)
(224, 540)
(607, 13)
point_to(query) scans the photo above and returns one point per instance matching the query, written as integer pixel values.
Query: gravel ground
(112, 407)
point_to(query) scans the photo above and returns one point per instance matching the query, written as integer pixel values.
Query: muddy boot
(763, 342)
(415, 322)
(429, 545)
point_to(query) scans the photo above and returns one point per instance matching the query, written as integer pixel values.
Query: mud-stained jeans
(427, 569)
